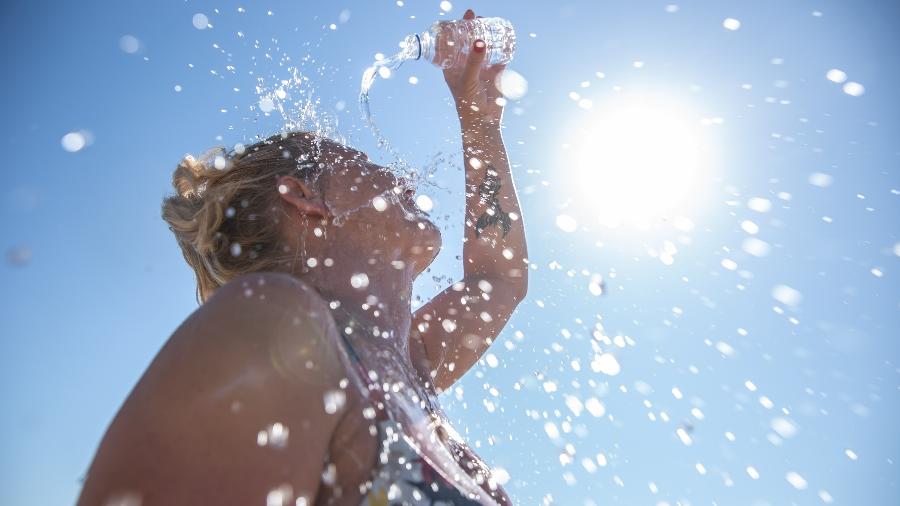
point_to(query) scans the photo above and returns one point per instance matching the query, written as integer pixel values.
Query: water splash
(383, 68)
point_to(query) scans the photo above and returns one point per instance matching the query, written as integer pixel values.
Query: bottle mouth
(419, 44)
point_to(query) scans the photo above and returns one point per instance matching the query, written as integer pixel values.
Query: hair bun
(189, 178)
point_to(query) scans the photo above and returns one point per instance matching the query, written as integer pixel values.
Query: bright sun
(638, 160)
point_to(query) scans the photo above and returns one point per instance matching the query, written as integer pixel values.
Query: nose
(403, 183)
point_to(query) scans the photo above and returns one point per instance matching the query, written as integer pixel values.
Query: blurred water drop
(796, 480)
(275, 435)
(74, 142)
(606, 363)
(266, 105)
(836, 76)
(551, 430)
(334, 400)
(446, 6)
(424, 202)
(750, 227)
(786, 295)
(684, 436)
(731, 24)
(759, 204)
(756, 247)
(129, 44)
(783, 427)
(821, 180)
(359, 280)
(511, 84)
(566, 223)
(854, 89)
(200, 21)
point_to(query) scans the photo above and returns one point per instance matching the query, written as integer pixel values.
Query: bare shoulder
(232, 406)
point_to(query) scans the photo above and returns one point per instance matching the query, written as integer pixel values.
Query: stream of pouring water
(389, 64)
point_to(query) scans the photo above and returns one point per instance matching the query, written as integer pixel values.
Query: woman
(304, 378)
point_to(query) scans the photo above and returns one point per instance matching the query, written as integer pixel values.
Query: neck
(378, 301)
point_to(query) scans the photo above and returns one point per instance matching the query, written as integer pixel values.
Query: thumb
(473, 63)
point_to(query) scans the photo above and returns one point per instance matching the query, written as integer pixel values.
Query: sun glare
(638, 161)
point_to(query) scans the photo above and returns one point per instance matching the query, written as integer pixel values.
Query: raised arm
(231, 410)
(451, 332)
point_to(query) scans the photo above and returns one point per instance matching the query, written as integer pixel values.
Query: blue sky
(799, 189)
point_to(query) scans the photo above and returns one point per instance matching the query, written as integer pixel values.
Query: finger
(492, 71)
(473, 63)
(470, 14)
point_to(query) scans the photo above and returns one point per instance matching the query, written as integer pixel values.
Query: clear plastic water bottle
(447, 43)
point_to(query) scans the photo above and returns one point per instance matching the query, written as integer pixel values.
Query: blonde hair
(226, 213)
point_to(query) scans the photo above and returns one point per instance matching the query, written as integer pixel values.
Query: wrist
(480, 129)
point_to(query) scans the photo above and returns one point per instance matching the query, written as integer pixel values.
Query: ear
(299, 196)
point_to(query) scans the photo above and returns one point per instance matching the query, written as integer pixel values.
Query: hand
(475, 89)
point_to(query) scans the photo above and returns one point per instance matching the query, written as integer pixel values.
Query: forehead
(350, 162)
(333, 152)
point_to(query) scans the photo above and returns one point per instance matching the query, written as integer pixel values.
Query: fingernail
(479, 46)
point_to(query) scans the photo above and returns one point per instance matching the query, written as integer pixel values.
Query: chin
(426, 244)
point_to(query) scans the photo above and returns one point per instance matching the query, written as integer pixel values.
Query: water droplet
(551, 430)
(280, 496)
(756, 247)
(725, 348)
(200, 21)
(334, 401)
(854, 89)
(750, 227)
(266, 105)
(424, 203)
(821, 180)
(379, 203)
(836, 76)
(759, 204)
(511, 84)
(73, 142)
(684, 436)
(275, 435)
(129, 44)
(796, 480)
(449, 325)
(606, 363)
(783, 427)
(566, 223)
(786, 295)
(731, 24)
(359, 280)
(446, 6)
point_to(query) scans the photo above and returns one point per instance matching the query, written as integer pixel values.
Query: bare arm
(231, 410)
(457, 326)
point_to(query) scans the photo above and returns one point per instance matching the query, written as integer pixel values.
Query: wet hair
(225, 215)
